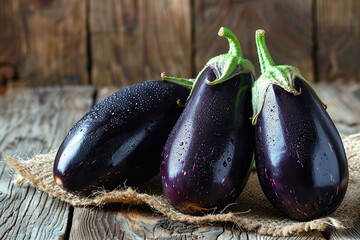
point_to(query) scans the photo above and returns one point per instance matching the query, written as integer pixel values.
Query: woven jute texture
(251, 212)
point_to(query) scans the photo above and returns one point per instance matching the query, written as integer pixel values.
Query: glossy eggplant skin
(120, 140)
(207, 157)
(300, 158)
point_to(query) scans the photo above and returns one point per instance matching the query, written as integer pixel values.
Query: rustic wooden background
(118, 42)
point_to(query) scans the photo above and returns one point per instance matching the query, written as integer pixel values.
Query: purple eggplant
(300, 159)
(207, 157)
(120, 140)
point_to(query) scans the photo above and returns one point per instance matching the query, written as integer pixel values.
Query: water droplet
(225, 164)
(228, 159)
(181, 143)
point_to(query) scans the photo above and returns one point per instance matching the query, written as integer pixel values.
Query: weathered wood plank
(338, 35)
(136, 40)
(45, 40)
(141, 223)
(10, 41)
(288, 26)
(343, 103)
(34, 121)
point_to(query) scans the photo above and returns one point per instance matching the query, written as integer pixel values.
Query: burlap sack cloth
(251, 212)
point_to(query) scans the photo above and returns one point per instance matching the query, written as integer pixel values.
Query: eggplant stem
(265, 58)
(185, 82)
(281, 75)
(226, 66)
(234, 44)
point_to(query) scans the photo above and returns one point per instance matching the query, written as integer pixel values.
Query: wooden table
(36, 120)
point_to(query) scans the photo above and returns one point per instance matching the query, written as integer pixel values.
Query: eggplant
(207, 157)
(300, 158)
(120, 140)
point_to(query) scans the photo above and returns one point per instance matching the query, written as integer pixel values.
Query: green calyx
(228, 65)
(280, 75)
(225, 66)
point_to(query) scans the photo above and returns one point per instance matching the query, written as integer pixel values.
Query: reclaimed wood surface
(33, 121)
(338, 39)
(136, 40)
(44, 38)
(47, 42)
(36, 120)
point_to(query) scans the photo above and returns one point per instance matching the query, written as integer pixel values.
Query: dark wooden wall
(60, 42)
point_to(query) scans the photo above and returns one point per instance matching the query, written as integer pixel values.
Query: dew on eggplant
(116, 137)
(300, 159)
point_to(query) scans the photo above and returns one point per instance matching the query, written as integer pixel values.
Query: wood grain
(11, 35)
(46, 40)
(124, 222)
(352, 233)
(288, 27)
(342, 104)
(119, 42)
(34, 121)
(136, 40)
(338, 35)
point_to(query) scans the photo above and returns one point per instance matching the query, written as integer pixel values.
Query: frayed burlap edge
(38, 172)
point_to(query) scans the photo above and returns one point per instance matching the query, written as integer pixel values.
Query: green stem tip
(281, 75)
(227, 65)
(234, 44)
(265, 58)
(224, 66)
